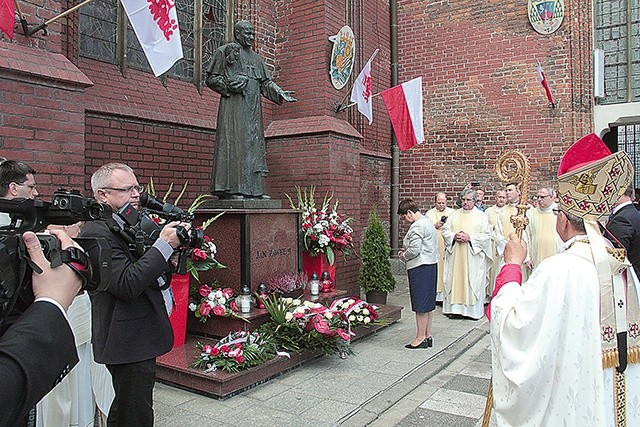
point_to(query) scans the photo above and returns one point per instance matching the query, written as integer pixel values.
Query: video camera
(141, 230)
(67, 207)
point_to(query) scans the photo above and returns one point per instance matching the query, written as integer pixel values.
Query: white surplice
(466, 265)
(546, 347)
(73, 401)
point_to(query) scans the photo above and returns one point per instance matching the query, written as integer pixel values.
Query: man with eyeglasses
(131, 318)
(17, 180)
(467, 243)
(540, 235)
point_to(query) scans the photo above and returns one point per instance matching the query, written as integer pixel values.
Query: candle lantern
(314, 284)
(244, 300)
(327, 283)
(262, 294)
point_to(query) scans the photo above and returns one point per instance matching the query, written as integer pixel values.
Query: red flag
(404, 103)
(7, 17)
(543, 81)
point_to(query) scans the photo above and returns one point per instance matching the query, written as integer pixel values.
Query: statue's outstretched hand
(287, 95)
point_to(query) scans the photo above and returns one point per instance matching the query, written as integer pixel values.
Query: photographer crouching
(131, 318)
(38, 350)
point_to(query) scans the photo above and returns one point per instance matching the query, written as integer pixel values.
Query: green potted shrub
(375, 278)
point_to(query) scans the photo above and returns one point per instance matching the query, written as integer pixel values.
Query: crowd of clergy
(471, 239)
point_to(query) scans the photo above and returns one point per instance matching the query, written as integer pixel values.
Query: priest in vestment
(495, 214)
(540, 234)
(467, 242)
(436, 215)
(565, 343)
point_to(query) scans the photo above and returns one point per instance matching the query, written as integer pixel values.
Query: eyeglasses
(31, 186)
(542, 197)
(138, 188)
(467, 200)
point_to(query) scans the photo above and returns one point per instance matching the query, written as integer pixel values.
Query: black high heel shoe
(423, 344)
(429, 341)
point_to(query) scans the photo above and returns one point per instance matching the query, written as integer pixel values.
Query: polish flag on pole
(362, 90)
(542, 79)
(7, 17)
(156, 25)
(404, 103)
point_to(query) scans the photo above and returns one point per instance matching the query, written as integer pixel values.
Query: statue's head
(243, 33)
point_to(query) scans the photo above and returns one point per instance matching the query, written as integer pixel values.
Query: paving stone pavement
(382, 384)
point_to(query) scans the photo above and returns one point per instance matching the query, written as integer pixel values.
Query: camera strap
(76, 259)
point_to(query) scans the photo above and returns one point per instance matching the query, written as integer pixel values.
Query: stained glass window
(99, 29)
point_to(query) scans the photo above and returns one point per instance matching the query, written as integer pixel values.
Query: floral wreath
(238, 350)
(214, 302)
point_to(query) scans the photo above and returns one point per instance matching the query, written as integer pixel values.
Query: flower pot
(377, 297)
(317, 264)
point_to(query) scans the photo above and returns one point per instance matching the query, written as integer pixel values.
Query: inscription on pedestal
(254, 245)
(273, 252)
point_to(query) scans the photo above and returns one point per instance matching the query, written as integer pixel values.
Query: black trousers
(133, 403)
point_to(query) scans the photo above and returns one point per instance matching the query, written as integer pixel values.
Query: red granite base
(174, 368)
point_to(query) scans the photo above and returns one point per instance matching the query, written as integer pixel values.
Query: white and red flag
(7, 17)
(156, 25)
(404, 103)
(362, 90)
(542, 79)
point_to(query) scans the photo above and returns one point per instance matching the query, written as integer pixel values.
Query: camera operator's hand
(169, 235)
(61, 284)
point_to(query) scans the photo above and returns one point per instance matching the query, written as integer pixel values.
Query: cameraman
(130, 320)
(17, 179)
(38, 350)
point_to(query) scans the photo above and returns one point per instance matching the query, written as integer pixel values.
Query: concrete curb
(371, 410)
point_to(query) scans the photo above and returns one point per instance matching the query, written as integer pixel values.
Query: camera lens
(62, 202)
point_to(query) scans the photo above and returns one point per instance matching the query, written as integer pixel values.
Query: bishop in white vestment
(566, 342)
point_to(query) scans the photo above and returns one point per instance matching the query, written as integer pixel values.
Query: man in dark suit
(131, 319)
(38, 350)
(624, 224)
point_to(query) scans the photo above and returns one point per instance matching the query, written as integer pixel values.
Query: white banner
(156, 25)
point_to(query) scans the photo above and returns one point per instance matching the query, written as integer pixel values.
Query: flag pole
(23, 21)
(344, 107)
(341, 107)
(44, 25)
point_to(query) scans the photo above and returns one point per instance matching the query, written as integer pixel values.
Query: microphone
(150, 202)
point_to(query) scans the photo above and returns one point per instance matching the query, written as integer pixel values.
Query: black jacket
(625, 227)
(130, 321)
(36, 353)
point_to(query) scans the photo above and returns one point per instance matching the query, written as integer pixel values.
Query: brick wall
(159, 151)
(481, 95)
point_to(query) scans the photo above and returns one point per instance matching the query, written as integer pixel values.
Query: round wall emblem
(546, 15)
(344, 50)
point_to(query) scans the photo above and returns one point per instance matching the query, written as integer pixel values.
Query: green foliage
(375, 273)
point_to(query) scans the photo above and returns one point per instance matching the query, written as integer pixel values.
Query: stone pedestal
(254, 244)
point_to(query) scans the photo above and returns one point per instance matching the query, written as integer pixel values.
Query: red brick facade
(481, 94)
(66, 115)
